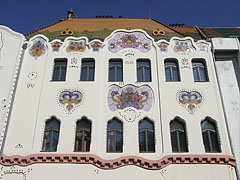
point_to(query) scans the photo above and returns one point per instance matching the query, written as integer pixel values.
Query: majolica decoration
(56, 45)
(95, 46)
(129, 40)
(191, 100)
(70, 100)
(202, 46)
(183, 46)
(38, 48)
(163, 46)
(76, 46)
(130, 96)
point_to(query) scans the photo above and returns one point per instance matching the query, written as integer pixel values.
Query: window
(199, 70)
(178, 136)
(210, 136)
(60, 68)
(115, 70)
(83, 135)
(143, 70)
(87, 70)
(146, 136)
(51, 135)
(171, 70)
(114, 135)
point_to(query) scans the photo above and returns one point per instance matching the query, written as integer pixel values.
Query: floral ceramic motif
(70, 100)
(163, 47)
(56, 46)
(182, 46)
(191, 100)
(129, 40)
(95, 46)
(76, 46)
(203, 47)
(38, 48)
(130, 96)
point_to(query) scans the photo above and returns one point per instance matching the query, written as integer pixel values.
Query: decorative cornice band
(116, 163)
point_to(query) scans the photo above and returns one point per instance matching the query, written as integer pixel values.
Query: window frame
(210, 136)
(114, 130)
(51, 131)
(83, 138)
(199, 64)
(144, 69)
(146, 131)
(180, 146)
(116, 78)
(61, 68)
(88, 67)
(171, 67)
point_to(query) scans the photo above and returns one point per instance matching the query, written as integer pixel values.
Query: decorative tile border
(119, 162)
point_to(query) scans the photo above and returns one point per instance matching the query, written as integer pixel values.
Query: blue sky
(26, 16)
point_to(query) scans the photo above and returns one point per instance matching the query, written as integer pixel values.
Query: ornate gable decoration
(183, 46)
(38, 48)
(56, 44)
(130, 96)
(135, 40)
(76, 46)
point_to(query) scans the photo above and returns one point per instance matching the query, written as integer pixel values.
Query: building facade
(126, 105)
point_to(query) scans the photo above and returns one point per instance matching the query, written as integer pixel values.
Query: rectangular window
(60, 69)
(87, 70)
(199, 71)
(143, 70)
(115, 70)
(171, 70)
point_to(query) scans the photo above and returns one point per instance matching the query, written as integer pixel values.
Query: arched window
(210, 136)
(114, 135)
(146, 136)
(143, 70)
(83, 135)
(178, 136)
(171, 70)
(51, 135)
(199, 70)
(60, 69)
(115, 70)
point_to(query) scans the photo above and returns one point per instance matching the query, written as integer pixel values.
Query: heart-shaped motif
(69, 100)
(190, 99)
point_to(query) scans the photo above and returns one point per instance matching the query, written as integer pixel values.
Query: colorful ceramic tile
(95, 45)
(130, 96)
(38, 48)
(76, 46)
(202, 46)
(190, 99)
(129, 40)
(69, 100)
(163, 46)
(182, 46)
(56, 46)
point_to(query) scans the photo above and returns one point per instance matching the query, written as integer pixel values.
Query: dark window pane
(171, 70)
(199, 70)
(83, 135)
(178, 136)
(87, 70)
(146, 136)
(51, 135)
(115, 70)
(143, 70)
(60, 68)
